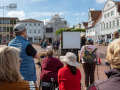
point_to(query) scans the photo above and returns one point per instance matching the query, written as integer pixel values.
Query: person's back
(23, 85)
(68, 81)
(27, 53)
(50, 67)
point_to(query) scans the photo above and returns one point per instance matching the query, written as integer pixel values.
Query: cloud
(77, 14)
(100, 1)
(20, 15)
(83, 13)
(35, 0)
(46, 21)
(78, 18)
(38, 14)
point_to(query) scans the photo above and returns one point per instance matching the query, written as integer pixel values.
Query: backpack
(88, 56)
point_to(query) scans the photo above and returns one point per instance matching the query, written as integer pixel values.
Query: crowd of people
(18, 72)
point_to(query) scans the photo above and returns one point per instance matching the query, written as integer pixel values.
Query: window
(29, 31)
(55, 24)
(1, 21)
(30, 24)
(104, 25)
(105, 16)
(111, 13)
(38, 31)
(26, 31)
(49, 30)
(11, 21)
(7, 37)
(38, 24)
(108, 14)
(34, 31)
(0, 29)
(4, 29)
(14, 21)
(34, 24)
(4, 21)
(110, 24)
(117, 22)
(25, 24)
(8, 21)
(11, 37)
(113, 23)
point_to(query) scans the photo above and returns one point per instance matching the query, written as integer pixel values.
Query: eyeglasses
(20, 60)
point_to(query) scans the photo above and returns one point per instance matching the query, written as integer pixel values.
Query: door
(50, 40)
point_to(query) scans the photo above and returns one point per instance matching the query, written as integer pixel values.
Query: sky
(74, 11)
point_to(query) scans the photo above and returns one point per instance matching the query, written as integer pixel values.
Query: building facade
(84, 25)
(34, 29)
(6, 29)
(52, 26)
(77, 26)
(93, 29)
(110, 21)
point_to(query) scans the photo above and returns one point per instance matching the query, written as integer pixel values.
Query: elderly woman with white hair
(10, 77)
(69, 77)
(113, 74)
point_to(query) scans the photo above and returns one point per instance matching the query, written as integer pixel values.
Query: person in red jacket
(69, 77)
(50, 67)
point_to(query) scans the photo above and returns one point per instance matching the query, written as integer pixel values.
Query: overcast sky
(74, 11)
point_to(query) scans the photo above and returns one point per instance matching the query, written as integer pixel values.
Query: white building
(55, 23)
(84, 25)
(93, 29)
(77, 26)
(110, 21)
(34, 29)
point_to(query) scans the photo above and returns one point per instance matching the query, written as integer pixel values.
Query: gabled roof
(95, 14)
(30, 20)
(85, 24)
(96, 20)
(117, 2)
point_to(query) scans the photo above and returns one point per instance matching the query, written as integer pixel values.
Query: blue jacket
(44, 44)
(27, 67)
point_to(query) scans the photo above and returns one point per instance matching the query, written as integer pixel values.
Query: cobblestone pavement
(101, 68)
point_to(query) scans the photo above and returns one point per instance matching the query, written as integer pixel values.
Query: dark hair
(89, 43)
(73, 69)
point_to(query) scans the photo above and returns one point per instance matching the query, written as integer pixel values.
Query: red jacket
(68, 81)
(50, 67)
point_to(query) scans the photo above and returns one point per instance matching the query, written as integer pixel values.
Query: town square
(60, 45)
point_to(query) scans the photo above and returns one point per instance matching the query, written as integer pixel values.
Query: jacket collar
(18, 36)
(113, 73)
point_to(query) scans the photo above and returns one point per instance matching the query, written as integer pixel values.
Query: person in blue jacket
(45, 44)
(27, 67)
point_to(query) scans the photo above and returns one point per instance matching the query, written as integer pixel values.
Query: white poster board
(71, 40)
